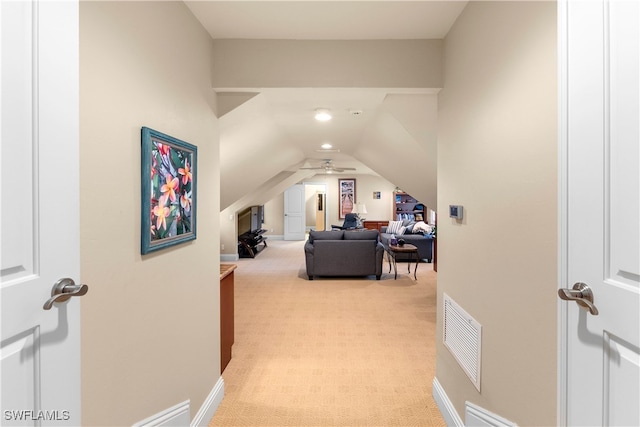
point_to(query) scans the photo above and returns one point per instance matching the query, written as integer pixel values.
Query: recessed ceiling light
(322, 115)
(326, 146)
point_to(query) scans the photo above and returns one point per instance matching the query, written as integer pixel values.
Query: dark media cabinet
(251, 243)
(250, 233)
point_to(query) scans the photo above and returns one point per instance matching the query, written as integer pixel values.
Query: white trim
(229, 257)
(445, 406)
(476, 416)
(562, 310)
(176, 415)
(210, 405)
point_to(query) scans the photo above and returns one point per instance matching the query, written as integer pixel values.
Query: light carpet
(332, 351)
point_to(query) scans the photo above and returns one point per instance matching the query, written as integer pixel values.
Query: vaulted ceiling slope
(375, 65)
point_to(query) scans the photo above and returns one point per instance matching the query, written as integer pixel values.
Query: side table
(407, 248)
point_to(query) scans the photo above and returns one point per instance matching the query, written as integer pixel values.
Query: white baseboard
(180, 414)
(177, 415)
(229, 257)
(210, 405)
(447, 410)
(475, 416)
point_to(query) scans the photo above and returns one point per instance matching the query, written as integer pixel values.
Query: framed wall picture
(347, 196)
(169, 184)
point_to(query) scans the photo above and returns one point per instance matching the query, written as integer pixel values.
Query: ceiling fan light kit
(329, 167)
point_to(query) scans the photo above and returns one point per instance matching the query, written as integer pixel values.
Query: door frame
(326, 199)
(563, 193)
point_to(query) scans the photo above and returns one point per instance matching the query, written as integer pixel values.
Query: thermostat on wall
(455, 211)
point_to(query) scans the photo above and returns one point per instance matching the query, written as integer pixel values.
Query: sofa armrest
(308, 247)
(308, 255)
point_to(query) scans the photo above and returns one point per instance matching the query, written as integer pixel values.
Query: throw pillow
(422, 227)
(396, 227)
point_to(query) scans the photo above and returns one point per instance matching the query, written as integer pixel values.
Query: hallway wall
(497, 156)
(150, 324)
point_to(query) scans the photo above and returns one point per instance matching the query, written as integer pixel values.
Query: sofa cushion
(326, 235)
(396, 227)
(361, 235)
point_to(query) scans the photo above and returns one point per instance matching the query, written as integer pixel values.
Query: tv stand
(251, 243)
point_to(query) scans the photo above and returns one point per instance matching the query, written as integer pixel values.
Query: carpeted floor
(329, 352)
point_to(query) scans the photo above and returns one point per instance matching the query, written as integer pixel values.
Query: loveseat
(424, 242)
(344, 253)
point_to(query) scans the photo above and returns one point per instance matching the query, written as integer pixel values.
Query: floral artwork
(169, 190)
(347, 200)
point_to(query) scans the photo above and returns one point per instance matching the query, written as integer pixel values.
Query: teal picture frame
(169, 184)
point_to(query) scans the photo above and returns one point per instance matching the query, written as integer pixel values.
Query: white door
(40, 349)
(599, 364)
(294, 213)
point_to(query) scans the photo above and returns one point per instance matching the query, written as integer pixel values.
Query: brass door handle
(63, 290)
(581, 294)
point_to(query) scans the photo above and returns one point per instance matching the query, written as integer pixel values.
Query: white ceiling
(327, 19)
(291, 108)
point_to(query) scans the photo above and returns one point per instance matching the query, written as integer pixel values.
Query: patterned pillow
(396, 227)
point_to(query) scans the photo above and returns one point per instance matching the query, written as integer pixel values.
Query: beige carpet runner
(329, 352)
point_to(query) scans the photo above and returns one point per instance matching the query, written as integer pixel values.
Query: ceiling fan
(328, 167)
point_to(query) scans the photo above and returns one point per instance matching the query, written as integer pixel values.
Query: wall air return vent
(462, 336)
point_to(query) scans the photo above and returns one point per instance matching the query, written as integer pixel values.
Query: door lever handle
(581, 294)
(63, 290)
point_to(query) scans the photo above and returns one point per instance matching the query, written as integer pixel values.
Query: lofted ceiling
(276, 119)
(327, 19)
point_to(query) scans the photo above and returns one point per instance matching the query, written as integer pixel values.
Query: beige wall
(274, 216)
(497, 158)
(379, 209)
(327, 63)
(150, 324)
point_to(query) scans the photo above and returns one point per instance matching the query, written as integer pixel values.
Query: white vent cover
(462, 336)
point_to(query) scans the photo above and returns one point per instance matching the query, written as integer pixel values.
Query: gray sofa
(422, 242)
(344, 253)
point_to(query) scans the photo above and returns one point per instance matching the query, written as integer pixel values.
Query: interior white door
(39, 208)
(600, 211)
(294, 213)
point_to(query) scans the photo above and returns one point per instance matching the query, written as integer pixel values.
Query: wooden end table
(393, 250)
